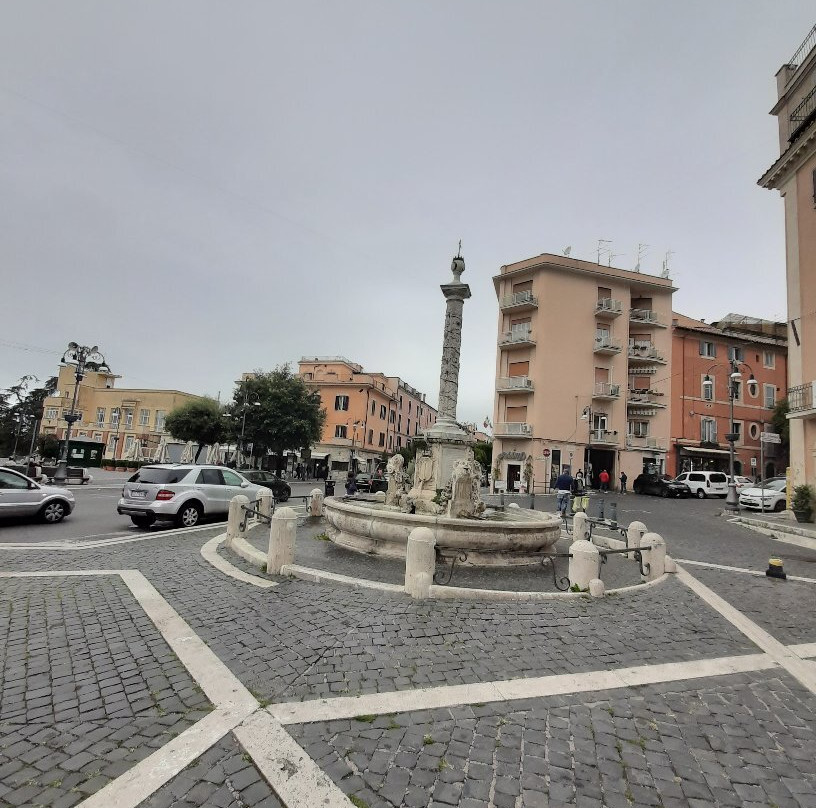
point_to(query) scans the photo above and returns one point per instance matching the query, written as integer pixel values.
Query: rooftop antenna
(459, 252)
(601, 246)
(567, 251)
(641, 251)
(611, 256)
(665, 272)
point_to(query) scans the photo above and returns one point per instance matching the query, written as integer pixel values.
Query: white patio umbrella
(240, 460)
(137, 450)
(160, 455)
(214, 454)
(188, 454)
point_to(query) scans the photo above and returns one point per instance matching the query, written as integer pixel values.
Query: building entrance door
(513, 476)
(600, 459)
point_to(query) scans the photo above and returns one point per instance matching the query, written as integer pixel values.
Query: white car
(774, 496)
(705, 483)
(741, 483)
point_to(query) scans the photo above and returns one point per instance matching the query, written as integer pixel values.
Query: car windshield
(159, 476)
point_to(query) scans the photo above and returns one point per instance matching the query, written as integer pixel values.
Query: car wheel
(780, 506)
(664, 493)
(53, 512)
(637, 489)
(700, 494)
(283, 496)
(189, 515)
(142, 521)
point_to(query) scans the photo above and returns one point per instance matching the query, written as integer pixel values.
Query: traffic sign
(753, 462)
(546, 452)
(770, 437)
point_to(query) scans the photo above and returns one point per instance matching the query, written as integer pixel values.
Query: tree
(483, 454)
(409, 452)
(21, 410)
(200, 421)
(289, 416)
(49, 446)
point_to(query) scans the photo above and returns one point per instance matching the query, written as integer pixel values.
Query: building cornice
(791, 160)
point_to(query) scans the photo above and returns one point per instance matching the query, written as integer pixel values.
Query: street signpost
(765, 437)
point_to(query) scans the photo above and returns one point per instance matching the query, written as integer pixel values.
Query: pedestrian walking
(563, 489)
(604, 479)
(351, 485)
(623, 479)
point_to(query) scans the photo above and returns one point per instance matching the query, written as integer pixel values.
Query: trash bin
(329, 486)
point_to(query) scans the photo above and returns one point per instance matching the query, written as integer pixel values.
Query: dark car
(660, 485)
(280, 488)
(370, 483)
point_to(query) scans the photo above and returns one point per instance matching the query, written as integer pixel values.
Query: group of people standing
(567, 486)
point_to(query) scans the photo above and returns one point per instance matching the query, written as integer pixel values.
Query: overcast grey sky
(203, 187)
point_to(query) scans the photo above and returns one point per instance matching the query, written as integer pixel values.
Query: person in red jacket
(604, 478)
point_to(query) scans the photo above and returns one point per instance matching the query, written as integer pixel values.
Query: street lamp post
(734, 379)
(587, 414)
(245, 408)
(81, 356)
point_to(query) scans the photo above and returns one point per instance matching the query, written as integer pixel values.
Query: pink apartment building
(794, 176)
(582, 370)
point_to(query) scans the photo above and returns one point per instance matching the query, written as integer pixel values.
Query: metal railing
(645, 397)
(608, 305)
(804, 113)
(802, 397)
(804, 50)
(607, 344)
(514, 429)
(515, 383)
(513, 337)
(640, 442)
(644, 316)
(518, 299)
(645, 352)
(603, 436)
(606, 390)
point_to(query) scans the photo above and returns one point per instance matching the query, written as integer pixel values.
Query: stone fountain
(444, 494)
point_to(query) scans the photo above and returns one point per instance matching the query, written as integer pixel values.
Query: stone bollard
(601, 503)
(316, 502)
(596, 588)
(634, 533)
(654, 557)
(265, 500)
(613, 515)
(236, 516)
(420, 562)
(671, 565)
(580, 528)
(281, 540)
(584, 565)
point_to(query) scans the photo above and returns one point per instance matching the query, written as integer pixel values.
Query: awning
(319, 455)
(686, 450)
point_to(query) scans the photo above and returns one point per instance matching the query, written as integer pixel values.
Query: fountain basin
(502, 538)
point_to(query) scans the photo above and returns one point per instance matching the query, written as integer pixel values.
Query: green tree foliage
(21, 410)
(780, 422)
(49, 446)
(483, 454)
(200, 421)
(409, 452)
(289, 416)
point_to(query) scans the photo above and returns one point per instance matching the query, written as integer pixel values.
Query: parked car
(371, 483)
(75, 474)
(22, 496)
(774, 495)
(280, 488)
(181, 493)
(661, 485)
(742, 483)
(705, 483)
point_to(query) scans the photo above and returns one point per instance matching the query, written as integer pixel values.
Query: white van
(705, 483)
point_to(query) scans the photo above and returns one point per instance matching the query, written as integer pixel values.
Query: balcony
(645, 397)
(640, 411)
(513, 430)
(638, 442)
(645, 317)
(514, 384)
(608, 308)
(517, 338)
(646, 353)
(803, 115)
(606, 345)
(520, 301)
(606, 391)
(603, 437)
(802, 400)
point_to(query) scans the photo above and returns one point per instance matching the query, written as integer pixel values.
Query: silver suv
(21, 496)
(181, 493)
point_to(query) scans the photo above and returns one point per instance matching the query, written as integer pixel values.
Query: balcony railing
(641, 412)
(640, 397)
(603, 437)
(638, 442)
(608, 307)
(519, 300)
(804, 114)
(645, 352)
(804, 50)
(513, 430)
(607, 345)
(606, 390)
(517, 337)
(514, 383)
(645, 317)
(802, 397)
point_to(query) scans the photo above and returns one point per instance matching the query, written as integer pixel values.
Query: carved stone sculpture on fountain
(396, 494)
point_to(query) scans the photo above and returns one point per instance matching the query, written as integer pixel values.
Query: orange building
(794, 176)
(700, 414)
(368, 415)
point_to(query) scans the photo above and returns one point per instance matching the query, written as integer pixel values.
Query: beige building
(114, 416)
(582, 370)
(794, 176)
(367, 414)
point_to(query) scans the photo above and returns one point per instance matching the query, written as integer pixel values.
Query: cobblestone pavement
(90, 687)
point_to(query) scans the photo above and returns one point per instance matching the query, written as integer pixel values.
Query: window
(128, 419)
(97, 436)
(373, 407)
(392, 416)
(708, 430)
(409, 408)
(390, 442)
(114, 421)
(128, 443)
(753, 431)
(371, 436)
(708, 389)
(231, 478)
(159, 422)
(144, 417)
(9, 480)
(210, 477)
(100, 416)
(382, 439)
(340, 431)
(770, 395)
(341, 402)
(736, 353)
(638, 429)
(768, 359)
(737, 389)
(399, 442)
(399, 424)
(400, 402)
(51, 412)
(736, 428)
(383, 412)
(707, 348)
